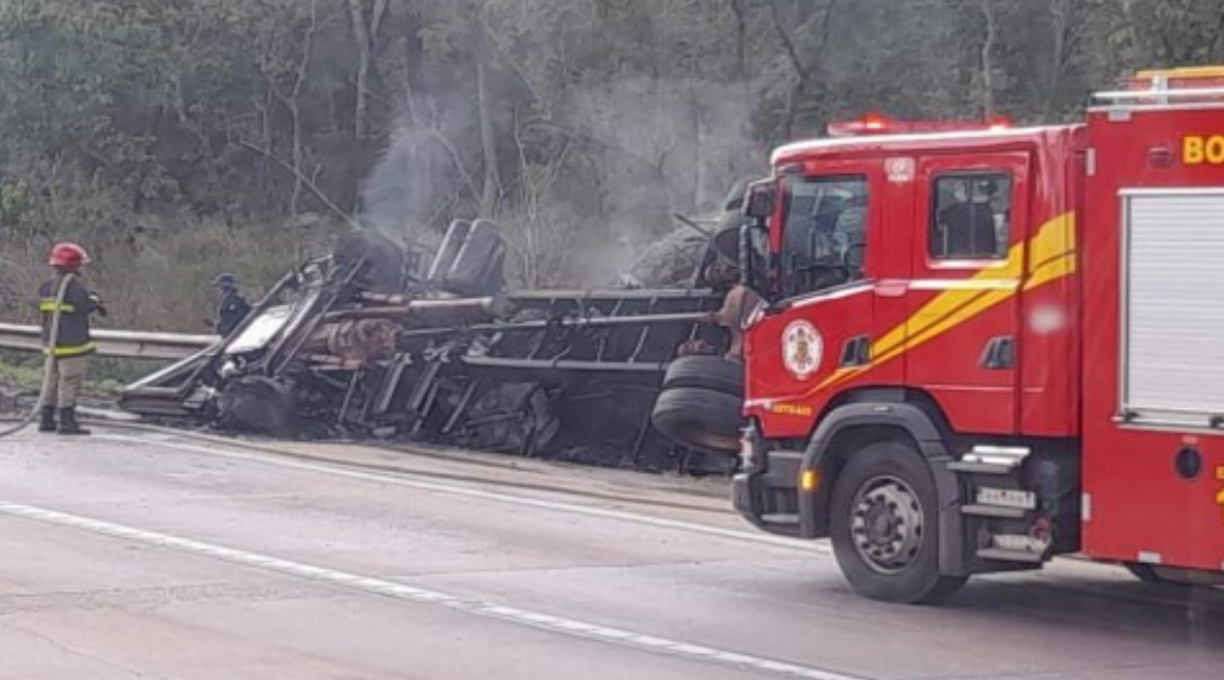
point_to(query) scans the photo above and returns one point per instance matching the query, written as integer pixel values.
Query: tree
(366, 18)
(584, 125)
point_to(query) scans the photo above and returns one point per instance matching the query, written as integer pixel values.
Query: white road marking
(407, 479)
(393, 589)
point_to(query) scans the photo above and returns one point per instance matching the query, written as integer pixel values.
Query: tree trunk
(988, 104)
(299, 159)
(795, 96)
(741, 39)
(420, 160)
(803, 74)
(362, 36)
(293, 103)
(1060, 22)
(268, 140)
(488, 142)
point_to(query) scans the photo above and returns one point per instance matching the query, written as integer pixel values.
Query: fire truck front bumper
(766, 492)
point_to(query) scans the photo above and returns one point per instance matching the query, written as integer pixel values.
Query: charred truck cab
(985, 346)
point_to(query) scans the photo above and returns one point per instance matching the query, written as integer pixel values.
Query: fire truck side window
(825, 233)
(971, 219)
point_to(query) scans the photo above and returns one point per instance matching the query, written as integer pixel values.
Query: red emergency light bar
(877, 124)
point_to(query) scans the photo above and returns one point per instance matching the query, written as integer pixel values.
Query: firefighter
(233, 308)
(966, 228)
(72, 345)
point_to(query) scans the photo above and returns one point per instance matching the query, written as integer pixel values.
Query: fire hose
(49, 364)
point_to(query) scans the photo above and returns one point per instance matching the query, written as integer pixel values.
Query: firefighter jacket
(73, 335)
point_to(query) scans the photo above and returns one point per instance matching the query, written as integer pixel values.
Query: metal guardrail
(127, 344)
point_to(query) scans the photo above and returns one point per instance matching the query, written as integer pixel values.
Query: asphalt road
(136, 556)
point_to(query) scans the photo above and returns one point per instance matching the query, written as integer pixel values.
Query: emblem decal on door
(802, 349)
(900, 170)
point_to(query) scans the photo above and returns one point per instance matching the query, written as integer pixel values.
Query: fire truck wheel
(703, 420)
(708, 373)
(884, 523)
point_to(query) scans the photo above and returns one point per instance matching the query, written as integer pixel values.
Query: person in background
(966, 229)
(233, 308)
(72, 345)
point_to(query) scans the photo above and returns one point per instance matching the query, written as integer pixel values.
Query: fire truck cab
(984, 346)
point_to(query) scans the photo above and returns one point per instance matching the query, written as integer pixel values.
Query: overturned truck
(364, 344)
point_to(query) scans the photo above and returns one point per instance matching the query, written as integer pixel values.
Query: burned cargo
(366, 343)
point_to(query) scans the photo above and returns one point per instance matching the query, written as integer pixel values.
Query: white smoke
(639, 150)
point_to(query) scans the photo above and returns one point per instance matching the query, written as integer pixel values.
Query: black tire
(261, 405)
(702, 420)
(891, 479)
(708, 373)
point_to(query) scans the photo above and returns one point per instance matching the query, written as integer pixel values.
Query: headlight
(748, 448)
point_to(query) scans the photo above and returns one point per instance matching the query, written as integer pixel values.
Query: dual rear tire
(701, 404)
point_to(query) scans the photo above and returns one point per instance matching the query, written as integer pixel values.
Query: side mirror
(760, 201)
(754, 265)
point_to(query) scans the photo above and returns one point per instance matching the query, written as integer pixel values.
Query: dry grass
(159, 280)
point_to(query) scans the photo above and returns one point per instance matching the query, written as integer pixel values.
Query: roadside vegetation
(22, 372)
(180, 139)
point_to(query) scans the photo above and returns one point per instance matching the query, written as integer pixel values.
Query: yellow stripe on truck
(1051, 257)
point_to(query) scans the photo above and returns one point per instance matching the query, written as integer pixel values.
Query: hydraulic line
(49, 364)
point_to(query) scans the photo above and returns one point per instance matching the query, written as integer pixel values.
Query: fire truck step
(781, 519)
(1002, 512)
(987, 459)
(980, 468)
(1005, 555)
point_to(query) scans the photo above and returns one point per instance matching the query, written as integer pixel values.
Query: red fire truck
(984, 346)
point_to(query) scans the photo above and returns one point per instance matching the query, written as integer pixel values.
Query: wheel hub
(886, 525)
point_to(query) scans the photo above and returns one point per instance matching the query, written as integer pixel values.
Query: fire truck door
(963, 312)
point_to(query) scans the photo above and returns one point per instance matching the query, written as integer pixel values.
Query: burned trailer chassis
(572, 374)
(569, 374)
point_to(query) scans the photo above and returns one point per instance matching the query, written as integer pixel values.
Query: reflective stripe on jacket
(74, 351)
(73, 336)
(49, 305)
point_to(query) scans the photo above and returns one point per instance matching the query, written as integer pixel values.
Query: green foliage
(105, 376)
(15, 202)
(178, 138)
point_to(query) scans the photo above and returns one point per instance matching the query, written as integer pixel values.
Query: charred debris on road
(364, 343)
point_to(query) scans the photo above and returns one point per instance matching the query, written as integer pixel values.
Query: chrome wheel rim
(886, 524)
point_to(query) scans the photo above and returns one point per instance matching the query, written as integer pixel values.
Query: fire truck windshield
(823, 233)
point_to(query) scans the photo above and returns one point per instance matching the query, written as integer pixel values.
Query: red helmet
(68, 255)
